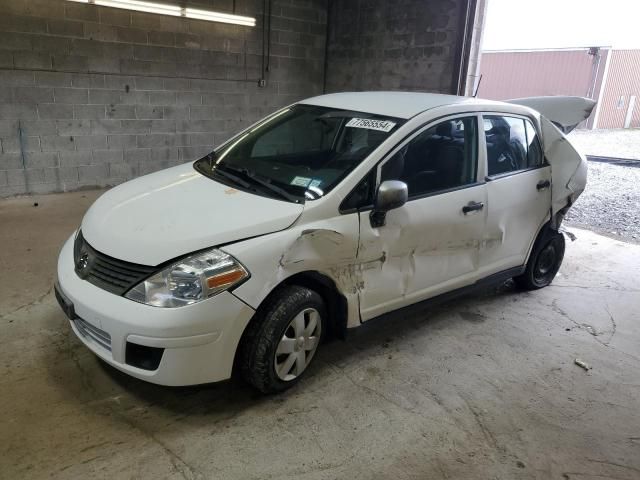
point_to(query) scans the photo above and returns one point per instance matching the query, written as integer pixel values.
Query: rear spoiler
(566, 113)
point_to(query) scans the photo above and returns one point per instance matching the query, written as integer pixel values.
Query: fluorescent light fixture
(173, 10)
(219, 17)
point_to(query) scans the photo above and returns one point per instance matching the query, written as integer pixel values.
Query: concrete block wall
(93, 96)
(394, 45)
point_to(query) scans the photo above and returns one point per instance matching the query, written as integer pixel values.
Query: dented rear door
(518, 189)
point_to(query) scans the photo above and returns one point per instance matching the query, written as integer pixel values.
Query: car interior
(440, 158)
(505, 153)
(327, 153)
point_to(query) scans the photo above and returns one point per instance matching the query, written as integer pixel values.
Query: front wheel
(544, 263)
(281, 342)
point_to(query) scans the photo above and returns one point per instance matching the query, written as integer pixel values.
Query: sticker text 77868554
(371, 124)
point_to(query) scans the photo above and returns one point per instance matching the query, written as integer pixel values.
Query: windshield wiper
(264, 183)
(219, 171)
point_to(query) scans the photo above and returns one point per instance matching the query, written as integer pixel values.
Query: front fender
(328, 247)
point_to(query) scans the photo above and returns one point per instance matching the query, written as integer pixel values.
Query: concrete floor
(483, 388)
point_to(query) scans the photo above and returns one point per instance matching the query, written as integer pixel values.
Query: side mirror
(391, 194)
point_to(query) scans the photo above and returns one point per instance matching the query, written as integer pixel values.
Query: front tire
(544, 263)
(281, 342)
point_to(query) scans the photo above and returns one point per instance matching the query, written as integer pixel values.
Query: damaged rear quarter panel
(568, 167)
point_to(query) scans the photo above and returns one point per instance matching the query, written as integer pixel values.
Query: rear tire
(544, 262)
(282, 340)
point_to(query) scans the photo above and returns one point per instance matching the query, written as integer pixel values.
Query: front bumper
(199, 340)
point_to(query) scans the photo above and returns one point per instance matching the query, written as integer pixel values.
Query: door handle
(543, 185)
(472, 207)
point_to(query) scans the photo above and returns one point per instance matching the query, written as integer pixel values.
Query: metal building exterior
(618, 103)
(611, 77)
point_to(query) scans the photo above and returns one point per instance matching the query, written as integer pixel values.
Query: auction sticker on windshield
(300, 181)
(370, 124)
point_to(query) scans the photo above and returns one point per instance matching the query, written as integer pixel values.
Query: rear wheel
(544, 263)
(281, 342)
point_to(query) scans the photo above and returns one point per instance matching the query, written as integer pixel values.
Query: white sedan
(322, 216)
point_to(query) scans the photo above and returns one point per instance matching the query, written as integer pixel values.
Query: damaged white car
(322, 216)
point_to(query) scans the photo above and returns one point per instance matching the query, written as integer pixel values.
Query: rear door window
(512, 145)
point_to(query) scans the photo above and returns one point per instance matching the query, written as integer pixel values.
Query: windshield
(299, 153)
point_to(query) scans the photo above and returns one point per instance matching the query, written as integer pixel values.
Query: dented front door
(427, 247)
(430, 245)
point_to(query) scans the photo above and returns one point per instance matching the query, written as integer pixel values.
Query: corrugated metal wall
(622, 82)
(613, 81)
(531, 73)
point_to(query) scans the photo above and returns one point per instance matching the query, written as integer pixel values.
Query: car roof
(393, 104)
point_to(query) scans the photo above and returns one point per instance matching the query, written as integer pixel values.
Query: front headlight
(190, 280)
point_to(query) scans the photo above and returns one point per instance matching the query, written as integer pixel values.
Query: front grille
(89, 331)
(108, 273)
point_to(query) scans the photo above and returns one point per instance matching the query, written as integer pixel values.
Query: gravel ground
(610, 204)
(608, 143)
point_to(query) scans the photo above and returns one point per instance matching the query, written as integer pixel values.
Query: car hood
(177, 211)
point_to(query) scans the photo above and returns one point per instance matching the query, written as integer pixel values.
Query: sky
(529, 24)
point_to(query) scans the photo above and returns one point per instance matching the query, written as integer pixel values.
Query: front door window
(443, 157)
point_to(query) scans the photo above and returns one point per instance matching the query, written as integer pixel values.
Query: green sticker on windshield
(300, 181)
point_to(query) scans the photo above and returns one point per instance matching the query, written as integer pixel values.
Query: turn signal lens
(222, 280)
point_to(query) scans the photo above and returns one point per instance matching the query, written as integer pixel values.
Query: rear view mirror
(391, 194)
